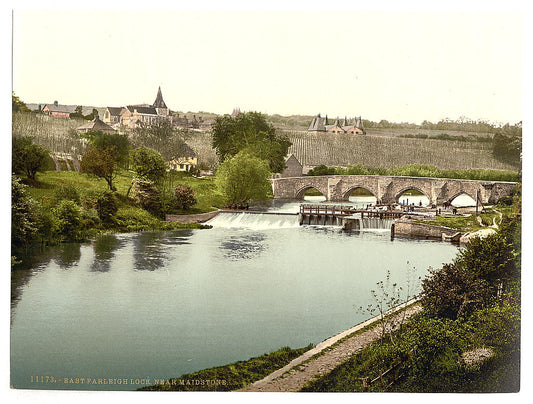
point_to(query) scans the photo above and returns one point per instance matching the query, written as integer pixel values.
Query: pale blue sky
(380, 65)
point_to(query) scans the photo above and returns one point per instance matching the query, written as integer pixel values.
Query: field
(313, 149)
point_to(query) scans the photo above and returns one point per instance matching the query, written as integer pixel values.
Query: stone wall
(410, 229)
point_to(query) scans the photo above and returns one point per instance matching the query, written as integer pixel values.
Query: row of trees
(418, 170)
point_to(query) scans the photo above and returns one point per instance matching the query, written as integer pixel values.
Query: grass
(47, 182)
(445, 372)
(464, 223)
(129, 218)
(208, 197)
(233, 376)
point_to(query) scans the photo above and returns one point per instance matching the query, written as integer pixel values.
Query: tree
(78, 112)
(101, 163)
(28, 158)
(17, 104)
(250, 132)
(507, 144)
(24, 214)
(148, 164)
(162, 137)
(242, 178)
(184, 196)
(119, 143)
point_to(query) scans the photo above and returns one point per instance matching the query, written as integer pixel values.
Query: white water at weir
(256, 221)
(264, 221)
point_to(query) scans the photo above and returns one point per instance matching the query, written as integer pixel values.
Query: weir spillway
(329, 216)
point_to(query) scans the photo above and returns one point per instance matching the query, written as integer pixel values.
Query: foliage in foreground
(233, 376)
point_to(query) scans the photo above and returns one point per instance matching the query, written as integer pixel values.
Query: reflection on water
(67, 255)
(104, 250)
(243, 247)
(151, 249)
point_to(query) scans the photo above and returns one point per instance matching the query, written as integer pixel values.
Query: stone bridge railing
(388, 189)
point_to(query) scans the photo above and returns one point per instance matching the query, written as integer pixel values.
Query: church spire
(159, 103)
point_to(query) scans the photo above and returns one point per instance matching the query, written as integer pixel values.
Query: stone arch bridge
(388, 189)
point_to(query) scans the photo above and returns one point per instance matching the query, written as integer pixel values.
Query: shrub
(24, 214)
(184, 197)
(67, 192)
(452, 293)
(68, 219)
(107, 207)
(147, 196)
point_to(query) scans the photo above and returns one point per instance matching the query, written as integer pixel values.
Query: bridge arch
(399, 194)
(300, 193)
(450, 200)
(350, 190)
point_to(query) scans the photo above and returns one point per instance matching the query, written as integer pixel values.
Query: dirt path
(307, 367)
(199, 218)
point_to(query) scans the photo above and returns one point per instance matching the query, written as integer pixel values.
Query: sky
(400, 66)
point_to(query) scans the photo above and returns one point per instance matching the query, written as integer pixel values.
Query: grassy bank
(233, 376)
(65, 206)
(466, 223)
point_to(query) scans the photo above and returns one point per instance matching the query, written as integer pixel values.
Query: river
(156, 305)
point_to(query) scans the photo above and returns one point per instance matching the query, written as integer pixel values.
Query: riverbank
(330, 353)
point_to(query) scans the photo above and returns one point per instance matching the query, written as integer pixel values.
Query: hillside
(313, 149)
(379, 148)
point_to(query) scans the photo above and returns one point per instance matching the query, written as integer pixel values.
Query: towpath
(310, 366)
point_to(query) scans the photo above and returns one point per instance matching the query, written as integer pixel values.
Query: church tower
(159, 104)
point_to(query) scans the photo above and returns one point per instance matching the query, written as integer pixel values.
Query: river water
(156, 305)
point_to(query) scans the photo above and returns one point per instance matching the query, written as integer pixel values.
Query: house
(57, 110)
(294, 167)
(112, 115)
(335, 128)
(95, 125)
(351, 126)
(185, 161)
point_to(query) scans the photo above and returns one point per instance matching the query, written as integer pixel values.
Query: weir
(255, 220)
(281, 220)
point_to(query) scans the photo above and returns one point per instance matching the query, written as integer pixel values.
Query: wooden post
(365, 381)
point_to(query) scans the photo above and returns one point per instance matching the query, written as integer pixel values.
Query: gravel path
(307, 367)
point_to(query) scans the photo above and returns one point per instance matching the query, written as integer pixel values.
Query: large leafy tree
(28, 158)
(148, 164)
(253, 133)
(243, 177)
